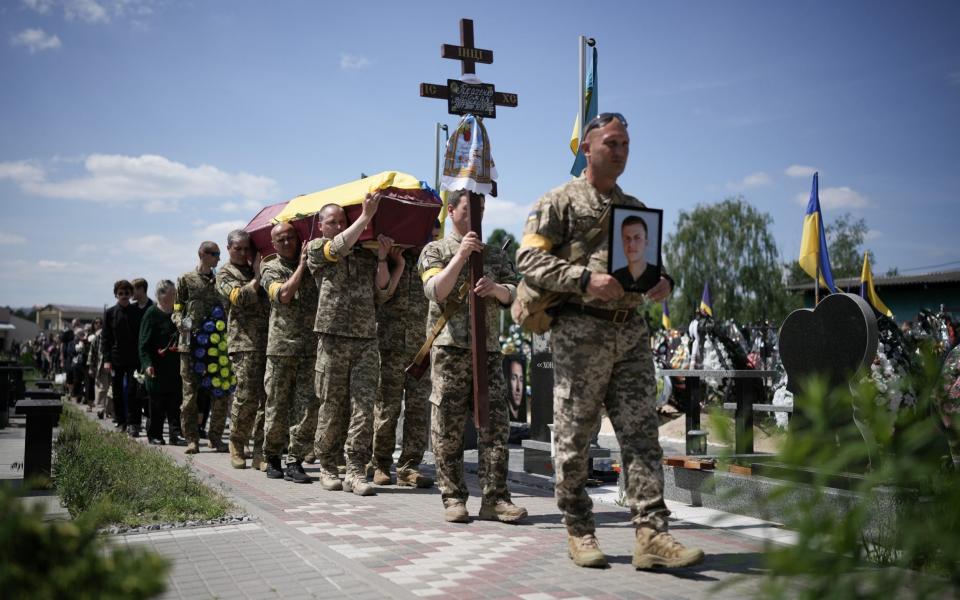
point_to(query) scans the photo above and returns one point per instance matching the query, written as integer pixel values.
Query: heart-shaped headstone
(833, 341)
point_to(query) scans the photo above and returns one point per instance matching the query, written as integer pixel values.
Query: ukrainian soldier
(248, 314)
(350, 281)
(601, 352)
(291, 405)
(400, 329)
(196, 298)
(441, 268)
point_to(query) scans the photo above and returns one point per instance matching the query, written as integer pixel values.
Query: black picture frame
(617, 262)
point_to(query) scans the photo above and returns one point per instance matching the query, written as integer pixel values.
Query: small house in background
(905, 295)
(54, 317)
(13, 329)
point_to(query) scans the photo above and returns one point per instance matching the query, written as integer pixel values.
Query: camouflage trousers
(598, 364)
(189, 415)
(348, 377)
(249, 398)
(397, 390)
(452, 399)
(290, 415)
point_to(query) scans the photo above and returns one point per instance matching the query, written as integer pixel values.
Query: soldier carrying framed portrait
(634, 257)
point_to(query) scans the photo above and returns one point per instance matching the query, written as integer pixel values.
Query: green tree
(729, 245)
(498, 237)
(845, 238)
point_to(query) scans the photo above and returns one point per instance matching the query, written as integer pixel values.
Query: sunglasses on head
(217, 253)
(602, 120)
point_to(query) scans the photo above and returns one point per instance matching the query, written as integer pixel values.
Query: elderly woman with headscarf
(161, 365)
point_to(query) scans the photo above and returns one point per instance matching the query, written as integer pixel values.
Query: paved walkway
(310, 543)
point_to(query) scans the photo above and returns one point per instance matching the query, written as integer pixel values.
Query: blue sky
(130, 130)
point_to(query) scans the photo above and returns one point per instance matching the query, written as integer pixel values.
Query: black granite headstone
(541, 388)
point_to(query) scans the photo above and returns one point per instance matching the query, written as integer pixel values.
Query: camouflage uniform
(196, 298)
(291, 345)
(598, 363)
(248, 315)
(400, 327)
(348, 363)
(452, 374)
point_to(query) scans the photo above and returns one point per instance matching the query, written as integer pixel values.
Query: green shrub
(68, 559)
(901, 455)
(128, 483)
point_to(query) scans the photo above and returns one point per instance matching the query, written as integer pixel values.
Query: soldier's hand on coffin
(384, 244)
(660, 291)
(604, 287)
(370, 205)
(470, 243)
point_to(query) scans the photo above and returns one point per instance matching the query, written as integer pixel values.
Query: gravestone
(832, 341)
(541, 388)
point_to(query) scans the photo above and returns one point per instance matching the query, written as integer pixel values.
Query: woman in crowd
(161, 365)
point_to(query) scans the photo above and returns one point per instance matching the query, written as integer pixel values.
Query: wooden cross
(469, 57)
(480, 100)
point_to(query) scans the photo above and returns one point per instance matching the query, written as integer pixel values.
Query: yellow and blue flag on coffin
(590, 111)
(867, 292)
(813, 244)
(706, 301)
(665, 319)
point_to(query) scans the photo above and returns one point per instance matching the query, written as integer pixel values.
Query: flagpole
(581, 84)
(816, 283)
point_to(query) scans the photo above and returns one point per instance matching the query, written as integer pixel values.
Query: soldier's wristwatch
(584, 280)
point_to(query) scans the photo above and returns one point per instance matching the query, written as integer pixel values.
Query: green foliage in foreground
(902, 455)
(127, 482)
(64, 559)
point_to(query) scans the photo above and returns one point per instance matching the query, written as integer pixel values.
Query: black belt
(617, 317)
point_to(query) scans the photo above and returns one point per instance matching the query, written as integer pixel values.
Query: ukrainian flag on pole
(665, 320)
(706, 301)
(867, 292)
(590, 111)
(813, 244)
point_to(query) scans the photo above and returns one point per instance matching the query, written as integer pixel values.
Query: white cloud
(353, 61)
(20, 171)
(753, 180)
(160, 206)
(11, 239)
(35, 40)
(247, 206)
(872, 234)
(52, 265)
(504, 214)
(836, 197)
(219, 231)
(799, 171)
(94, 11)
(115, 178)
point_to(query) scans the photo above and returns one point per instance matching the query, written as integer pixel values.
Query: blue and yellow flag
(590, 111)
(867, 292)
(665, 320)
(706, 302)
(813, 244)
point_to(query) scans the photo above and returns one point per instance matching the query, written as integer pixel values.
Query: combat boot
(585, 551)
(357, 485)
(217, 445)
(237, 461)
(310, 458)
(660, 549)
(274, 470)
(257, 462)
(456, 513)
(382, 477)
(295, 473)
(413, 478)
(193, 447)
(503, 511)
(330, 481)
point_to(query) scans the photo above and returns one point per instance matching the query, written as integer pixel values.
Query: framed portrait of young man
(635, 241)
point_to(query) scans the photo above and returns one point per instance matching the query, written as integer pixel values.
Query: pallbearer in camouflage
(441, 268)
(196, 298)
(248, 315)
(291, 406)
(350, 282)
(601, 355)
(400, 329)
